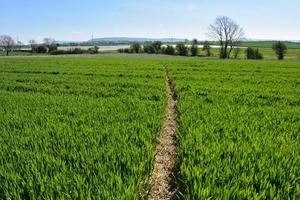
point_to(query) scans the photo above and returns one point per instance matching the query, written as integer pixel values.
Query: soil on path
(162, 180)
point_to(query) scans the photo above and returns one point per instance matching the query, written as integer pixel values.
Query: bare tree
(48, 41)
(19, 45)
(50, 44)
(7, 43)
(228, 33)
(33, 44)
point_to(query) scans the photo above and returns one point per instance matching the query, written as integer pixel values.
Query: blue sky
(78, 19)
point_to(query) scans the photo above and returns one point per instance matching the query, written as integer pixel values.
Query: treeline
(157, 47)
(92, 50)
(193, 50)
(49, 46)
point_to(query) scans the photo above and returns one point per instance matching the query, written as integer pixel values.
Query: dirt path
(162, 179)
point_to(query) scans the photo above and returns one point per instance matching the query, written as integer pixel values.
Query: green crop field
(78, 128)
(239, 129)
(86, 128)
(268, 53)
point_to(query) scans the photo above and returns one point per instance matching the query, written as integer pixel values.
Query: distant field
(268, 53)
(86, 128)
(269, 44)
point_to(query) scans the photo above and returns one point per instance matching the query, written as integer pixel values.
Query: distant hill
(68, 42)
(131, 39)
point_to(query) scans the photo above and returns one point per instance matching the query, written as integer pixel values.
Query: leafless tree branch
(7, 43)
(227, 32)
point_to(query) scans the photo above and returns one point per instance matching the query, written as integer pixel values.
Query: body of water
(101, 48)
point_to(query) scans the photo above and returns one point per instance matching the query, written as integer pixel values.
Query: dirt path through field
(162, 180)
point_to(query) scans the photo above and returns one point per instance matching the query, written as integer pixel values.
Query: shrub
(253, 54)
(76, 51)
(236, 53)
(169, 50)
(281, 49)
(39, 49)
(128, 50)
(157, 46)
(70, 51)
(194, 50)
(58, 52)
(207, 48)
(195, 42)
(182, 50)
(93, 50)
(52, 47)
(149, 48)
(153, 47)
(136, 47)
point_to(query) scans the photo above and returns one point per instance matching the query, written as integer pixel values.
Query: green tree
(40, 49)
(157, 46)
(153, 47)
(182, 49)
(207, 48)
(195, 42)
(149, 48)
(280, 49)
(136, 47)
(169, 50)
(253, 54)
(194, 50)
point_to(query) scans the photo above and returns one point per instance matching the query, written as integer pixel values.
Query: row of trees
(158, 48)
(193, 50)
(48, 45)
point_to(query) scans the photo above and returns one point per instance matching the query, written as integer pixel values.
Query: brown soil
(162, 179)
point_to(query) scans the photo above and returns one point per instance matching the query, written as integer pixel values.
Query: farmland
(268, 44)
(78, 128)
(239, 129)
(86, 128)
